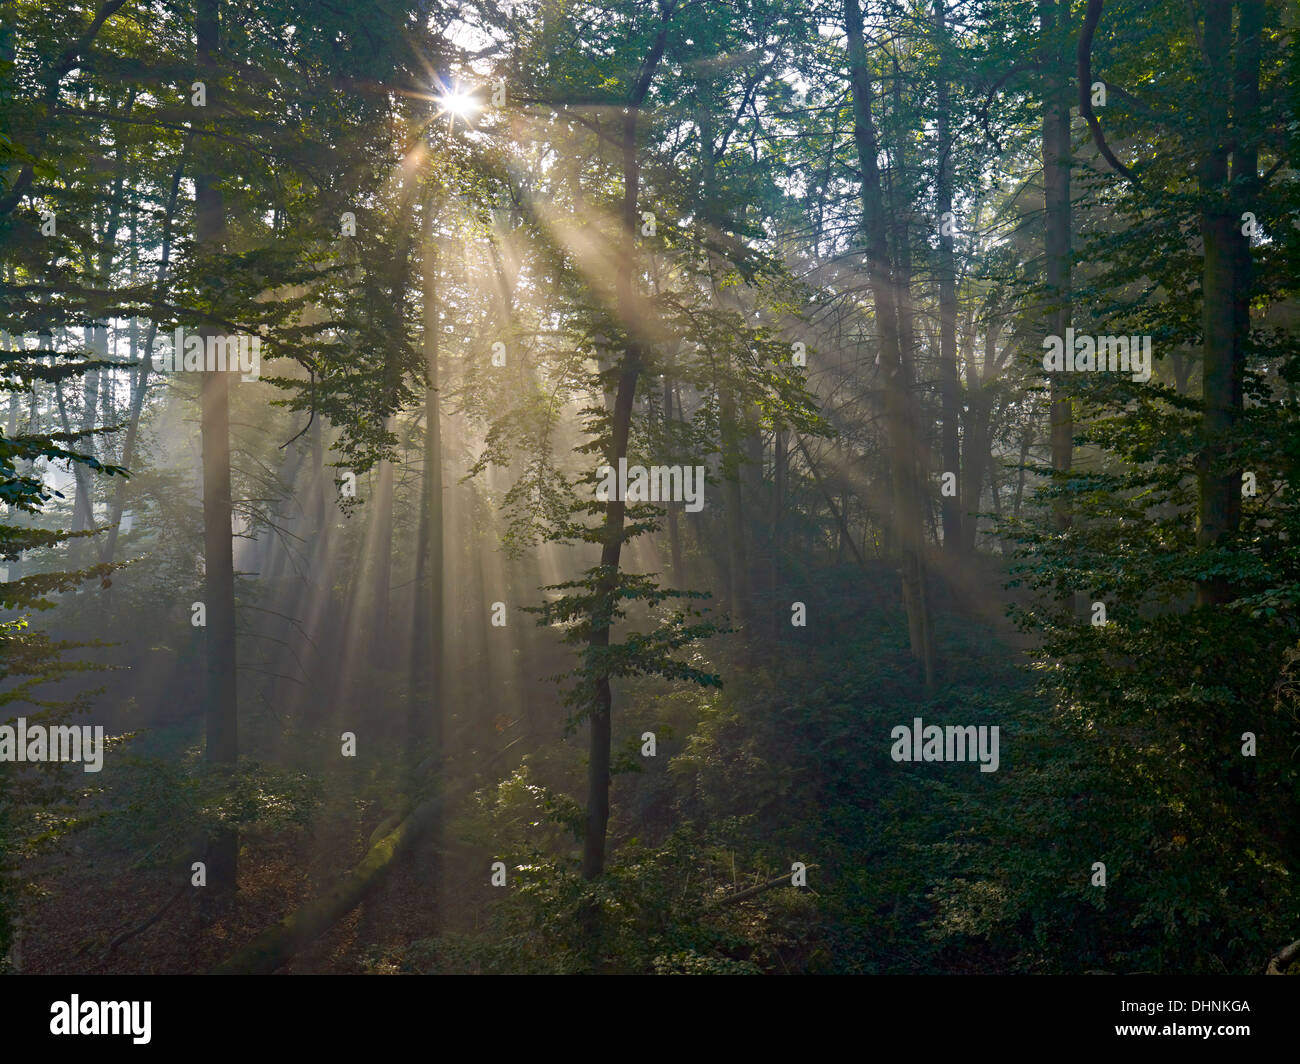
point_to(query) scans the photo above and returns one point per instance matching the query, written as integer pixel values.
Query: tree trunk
(598, 762)
(674, 529)
(382, 559)
(978, 443)
(1225, 277)
(1026, 441)
(955, 514)
(140, 381)
(1054, 17)
(778, 507)
(427, 644)
(737, 582)
(729, 424)
(221, 717)
(83, 509)
(276, 946)
(907, 509)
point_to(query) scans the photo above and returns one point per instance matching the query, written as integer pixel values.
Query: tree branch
(749, 892)
(1090, 19)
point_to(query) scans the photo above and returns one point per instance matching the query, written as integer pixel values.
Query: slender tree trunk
(140, 381)
(321, 492)
(593, 851)
(751, 480)
(427, 645)
(729, 424)
(83, 510)
(899, 194)
(1026, 441)
(381, 528)
(779, 462)
(382, 559)
(671, 507)
(96, 335)
(598, 762)
(955, 514)
(916, 442)
(107, 393)
(907, 509)
(978, 443)
(1054, 16)
(14, 567)
(222, 747)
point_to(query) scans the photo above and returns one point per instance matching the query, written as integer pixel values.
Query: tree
(221, 714)
(884, 290)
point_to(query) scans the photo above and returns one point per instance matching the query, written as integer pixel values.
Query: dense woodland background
(814, 246)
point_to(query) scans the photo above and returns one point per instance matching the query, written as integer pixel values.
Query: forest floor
(68, 927)
(100, 888)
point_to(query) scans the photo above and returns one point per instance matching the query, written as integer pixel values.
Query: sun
(458, 103)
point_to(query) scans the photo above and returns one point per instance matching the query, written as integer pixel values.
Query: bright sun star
(458, 103)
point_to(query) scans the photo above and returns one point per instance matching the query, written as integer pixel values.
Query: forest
(650, 487)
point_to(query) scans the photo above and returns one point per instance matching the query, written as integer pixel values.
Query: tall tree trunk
(321, 490)
(907, 508)
(140, 380)
(1026, 441)
(83, 508)
(13, 568)
(779, 462)
(598, 762)
(221, 718)
(96, 334)
(955, 513)
(899, 194)
(427, 644)
(733, 457)
(1225, 318)
(1054, 17)
(916, 442)
(381, 571)
(674, 529)
(978, 442)
(737, 582)
(381, 529)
